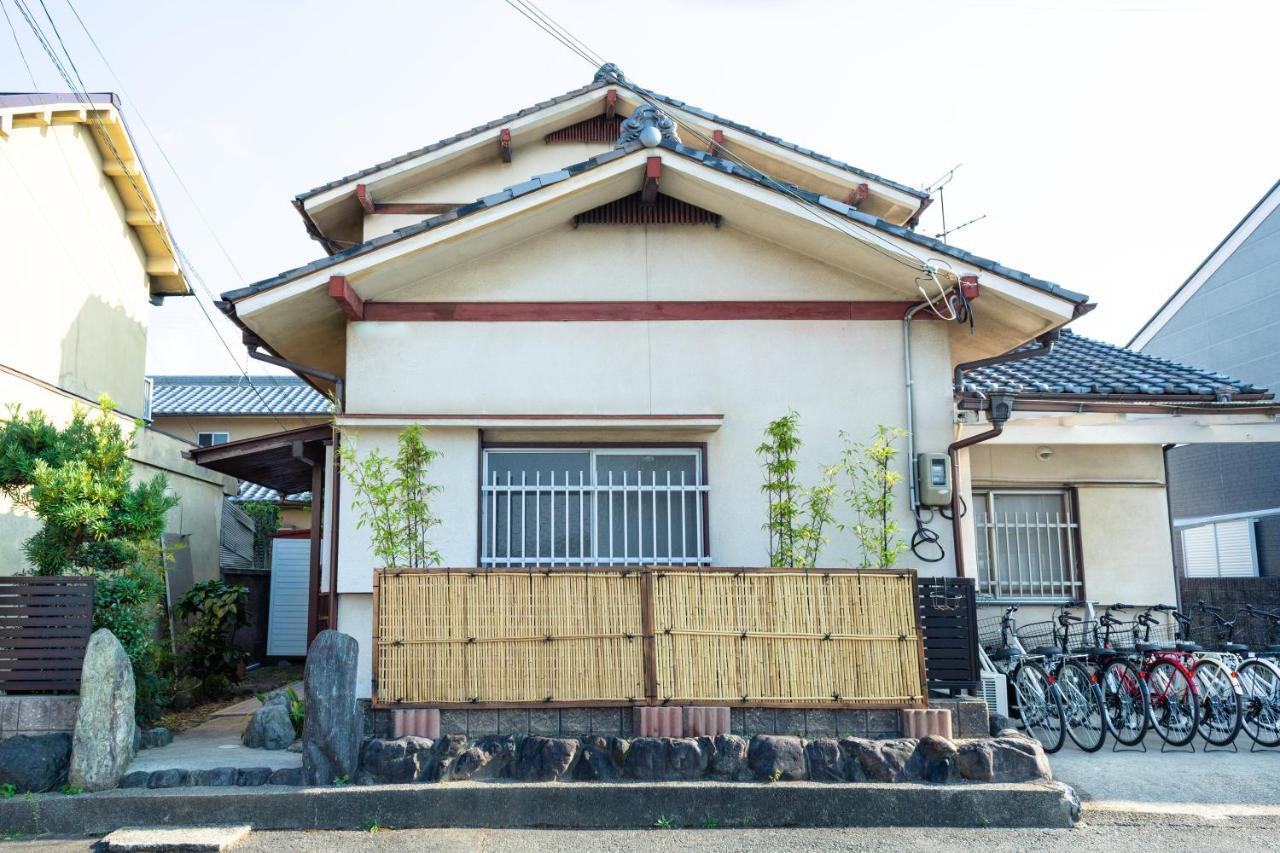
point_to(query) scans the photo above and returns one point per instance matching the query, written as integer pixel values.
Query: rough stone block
(729, 761)
(251, 777)
(790, 722)
(270, 727)
(575, 722)
(888, 760)
(169, 779)
(47, 713)
(819, 723)
(217, 777)
(544, 721)
(688, 758)
(513, 721)
(294, 776)
(543, 759)
(35, 763)
(606, 721)
(600, 759)
(973, 718)
(825, 761)
(102, 746)
(851, 723)
(480, 723)
(760, 721)
(647, 759)
(776, 757)
(453, 722)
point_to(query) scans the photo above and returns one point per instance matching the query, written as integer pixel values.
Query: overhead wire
(894, 253)
(18, 43)
(179, 257)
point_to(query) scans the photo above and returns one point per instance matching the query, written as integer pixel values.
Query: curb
(539, 805)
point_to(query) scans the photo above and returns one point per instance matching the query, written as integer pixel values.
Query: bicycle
(1260, 679)
(1037, 698)
(1082, 701)
(1256, 680)
(1219, 692)
(1126, 699)
(1171, 687)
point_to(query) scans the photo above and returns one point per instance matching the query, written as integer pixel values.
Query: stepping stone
(182, 838)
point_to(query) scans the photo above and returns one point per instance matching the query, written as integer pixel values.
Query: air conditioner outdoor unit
(995, 692)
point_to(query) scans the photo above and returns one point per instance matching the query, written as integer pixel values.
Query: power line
(21, 52)
(179, 257)
(870, 238)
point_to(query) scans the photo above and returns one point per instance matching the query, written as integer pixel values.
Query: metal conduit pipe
(339, 386)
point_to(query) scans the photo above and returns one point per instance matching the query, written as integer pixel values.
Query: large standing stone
(35, 763)
(896, 760)
(102, 746)
(730, 758)
(331, 732)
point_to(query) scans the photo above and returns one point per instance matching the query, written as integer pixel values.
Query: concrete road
(1211, 784)
(1122, 836)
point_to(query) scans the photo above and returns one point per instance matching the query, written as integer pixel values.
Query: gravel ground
(1110, 832)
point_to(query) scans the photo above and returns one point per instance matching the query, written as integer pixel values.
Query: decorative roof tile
(252, 492)
(234, 395)
(1083, 366)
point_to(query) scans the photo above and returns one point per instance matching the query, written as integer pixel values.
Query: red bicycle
(1171, 682)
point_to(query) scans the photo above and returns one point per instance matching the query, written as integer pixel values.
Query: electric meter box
(933, 479)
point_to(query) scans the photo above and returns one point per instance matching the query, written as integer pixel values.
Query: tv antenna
(938, 187)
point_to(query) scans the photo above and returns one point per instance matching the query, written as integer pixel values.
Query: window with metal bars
(601, 506)
(1026, 544)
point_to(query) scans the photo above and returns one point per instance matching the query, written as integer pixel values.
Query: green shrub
(394, 499)
(797, 513)
(266, 521)
(209, 655)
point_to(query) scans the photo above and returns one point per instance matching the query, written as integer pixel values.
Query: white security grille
(593, 507)
(1026, 544)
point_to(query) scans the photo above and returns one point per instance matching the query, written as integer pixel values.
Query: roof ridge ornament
(609, 73)
(649, 126)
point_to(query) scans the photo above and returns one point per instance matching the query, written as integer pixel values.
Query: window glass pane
(649, 511)
(538, 507)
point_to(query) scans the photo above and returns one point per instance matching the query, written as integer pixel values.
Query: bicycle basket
(989, 636)
(1121, 637)
(1082, 636)
(1036, 635)
(1164, 633)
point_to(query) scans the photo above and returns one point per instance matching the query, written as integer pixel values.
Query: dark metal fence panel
(1232, 594)
(45, 623)
(948, 619)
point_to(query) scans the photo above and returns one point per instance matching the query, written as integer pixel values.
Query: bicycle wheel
(1261, 685)
(1082, 706)
(1174, 709)
(1128, 707)
(1039, 706)
(1220, 702)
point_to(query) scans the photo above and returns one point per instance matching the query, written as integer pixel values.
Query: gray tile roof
(621, 84)
(256, 493)
(720, 164)
(1083, 366)
(233, 395)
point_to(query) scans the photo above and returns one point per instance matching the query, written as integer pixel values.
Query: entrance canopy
(280, 461)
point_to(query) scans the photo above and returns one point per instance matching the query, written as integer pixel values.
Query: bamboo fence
(572, 637)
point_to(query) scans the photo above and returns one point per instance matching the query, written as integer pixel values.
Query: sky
(1109, 145)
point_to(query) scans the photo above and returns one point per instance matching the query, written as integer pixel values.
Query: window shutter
(1199, 552)
(1236, 555)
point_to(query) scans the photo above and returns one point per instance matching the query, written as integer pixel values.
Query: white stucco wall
(76, 290)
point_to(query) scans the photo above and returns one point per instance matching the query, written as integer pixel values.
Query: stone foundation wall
(37, 715)
(617, 722)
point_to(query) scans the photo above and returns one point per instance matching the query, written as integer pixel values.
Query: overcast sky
(1110, 145)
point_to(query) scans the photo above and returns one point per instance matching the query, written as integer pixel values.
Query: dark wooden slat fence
(45, 623)
(949, 622)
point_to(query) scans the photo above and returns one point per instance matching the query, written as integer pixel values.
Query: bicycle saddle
(1047, 651)
(1003, 654)
(1235, 648)
(1188, 646)
(1153, 647)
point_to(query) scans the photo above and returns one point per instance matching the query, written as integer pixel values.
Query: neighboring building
(213, 410)
(1225, 498)
(86, 252)
(623, 308)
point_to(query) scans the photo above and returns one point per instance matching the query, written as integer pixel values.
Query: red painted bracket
(348, 300)
(652, 174)
(504, 144)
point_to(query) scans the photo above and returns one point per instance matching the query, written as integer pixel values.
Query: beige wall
(1123, 514)
(189, 426)
(75, 285)
(200, 491)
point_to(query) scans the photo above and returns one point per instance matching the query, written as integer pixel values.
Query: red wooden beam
(610, 103)
(717, 142)
(500, 312)
(366, 200)
(348, 300)
(652, 174)
(859, 195)
(504, 144)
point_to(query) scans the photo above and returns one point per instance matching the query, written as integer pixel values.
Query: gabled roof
(1234, 239)
(120, 162)
(1083, 367)
(233, 395)
(603, 81)
(711, 161)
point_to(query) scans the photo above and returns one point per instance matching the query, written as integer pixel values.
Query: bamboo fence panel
(509, 637)
(787, 637)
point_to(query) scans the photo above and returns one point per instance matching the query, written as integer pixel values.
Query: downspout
(339, 387)
(999, 409)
